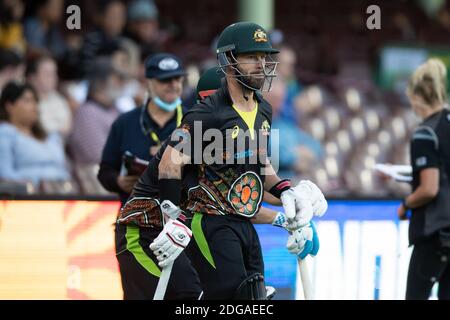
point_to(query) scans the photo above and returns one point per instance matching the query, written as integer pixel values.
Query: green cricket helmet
(243, 38)
(209, 82)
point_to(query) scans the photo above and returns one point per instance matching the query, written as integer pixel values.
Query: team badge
(168, 64)
(260, 36)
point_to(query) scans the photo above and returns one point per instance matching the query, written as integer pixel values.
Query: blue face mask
(166, 106)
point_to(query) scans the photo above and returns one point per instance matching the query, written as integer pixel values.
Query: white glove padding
(297, 207)
(304, 241)
(172, 240)
(316, 196)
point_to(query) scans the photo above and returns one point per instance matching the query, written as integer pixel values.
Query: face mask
(114, 94)
(166, 106)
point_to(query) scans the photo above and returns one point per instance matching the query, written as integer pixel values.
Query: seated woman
(27, 153)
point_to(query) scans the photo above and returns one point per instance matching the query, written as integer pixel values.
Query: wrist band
(170, 189)
(280, 220)
(280, 187)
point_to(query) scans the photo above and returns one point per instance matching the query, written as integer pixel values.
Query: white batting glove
(316, 196)
(304, 241)
(172, 240)
(300, 242)
(297, 207)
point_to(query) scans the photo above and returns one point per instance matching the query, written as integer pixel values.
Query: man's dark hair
(98, 77)
(9, 58)
(102, 5)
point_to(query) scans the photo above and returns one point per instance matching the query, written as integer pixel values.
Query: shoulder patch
(422, 161)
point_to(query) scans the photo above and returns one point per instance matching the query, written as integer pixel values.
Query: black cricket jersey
(430, 148)
(229, 149)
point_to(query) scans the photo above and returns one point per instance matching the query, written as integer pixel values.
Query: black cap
(163, 66)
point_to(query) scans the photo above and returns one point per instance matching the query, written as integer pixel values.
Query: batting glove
(172, 240)
(304, 242)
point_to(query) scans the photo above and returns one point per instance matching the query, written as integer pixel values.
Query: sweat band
(280, 187)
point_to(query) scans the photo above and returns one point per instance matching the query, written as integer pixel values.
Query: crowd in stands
(62, 89)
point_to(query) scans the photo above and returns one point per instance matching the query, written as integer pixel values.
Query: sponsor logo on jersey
(235, 132)
(422, 161)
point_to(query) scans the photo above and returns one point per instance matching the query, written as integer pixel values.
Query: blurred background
(339, 98)
(339, 103)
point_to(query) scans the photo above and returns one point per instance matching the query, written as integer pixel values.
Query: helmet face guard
(226, 58)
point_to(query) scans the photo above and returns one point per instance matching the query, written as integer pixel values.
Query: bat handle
(163, 282)
(306, 280)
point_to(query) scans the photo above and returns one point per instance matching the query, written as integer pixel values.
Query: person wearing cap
(230, 184)
(140, 132)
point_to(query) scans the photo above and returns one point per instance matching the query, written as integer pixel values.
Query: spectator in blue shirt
(286, 72)
(141, 131)
(28, 154)
(42, 31)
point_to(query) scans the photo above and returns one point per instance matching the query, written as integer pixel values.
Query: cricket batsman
(231, 177)
(139, 225)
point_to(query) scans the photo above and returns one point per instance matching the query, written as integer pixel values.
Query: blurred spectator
(125, 55)
(11, 31)
(276, 37)
(143, 25)
(141, 131)
(190, 95)
(27, 152)
(93, 119)
(403, 23)
(42, 29)
(286, 72)
(298, 151)
(11, 67)
(54, 111)
(120, 53)
(110, 24)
